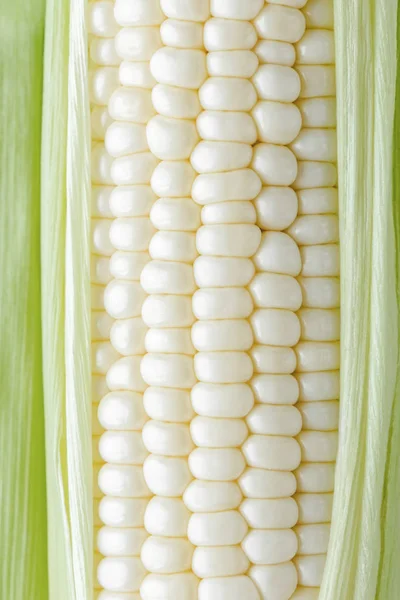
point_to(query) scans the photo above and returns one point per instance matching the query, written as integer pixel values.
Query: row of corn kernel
(179, 69)
(103, 80)
(222, 335)
(125, 162)
(316, 232)
(272, 450)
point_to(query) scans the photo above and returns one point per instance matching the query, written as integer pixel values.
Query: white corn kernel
(167, 311)
(103, 356)
(213, 400)
(136, 74)
(274, 420)
(223, 367)
(315, 477)
(277, 122)
(280, 23)
(228, 34)
(137, 43)
(166, 404)
(276, 207)
(124, 374)
(260, 483)
(273, 359)
(236, 9)
(123, 299)
(310, 569)
(213, 157)
(132, 234)
(181, 34)
(226, 126)
(228, 212)
(316, 47)
(178, 585)
(231, 63)
(125, 138)
(319, 386)
(319, 14)
(131, 201)
(318, 112)
(320, 261)
(227, 93)
(101, 324)
(139, 13)
(277, 513)
(275, 389)
(269, 547)
(170, 341)
(192, 10)
(184, 68)
(275, 582)
(173, 246)
(313, 174)
(278, 453)
(314, 508)
(168, 370)
(103, 82)
(276, 165)
(122, 541)
(278, 253)
(216, 464)
(320, 416)
(101, 165)
(102, 52)
(271, 290)
(316, 80)
(228, 240)
(121, 574)
(122, 410)
(243, 184)
(166, 555)
(133, 169)
(319, 325)
(100, 201)
(161, 277)
(101, 22)
(274, 52)
(167, 439)
(212, 496)
(226, 528)
(222, 335)
(210, 271)
(313, 538)
(221, 561)
(234, 588)
(124, 481)
(171, 139)
(122, 447)
(176, 102)
(128, 265)
(277, 82)
(318, 201)
(166, 476)
(318, 446)
(275, 327)
(218, 433)
(173, 179)
(127, 336)
(167, 517)
(315, 144)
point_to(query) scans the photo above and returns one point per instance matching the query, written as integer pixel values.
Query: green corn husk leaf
(66, 301)
(366, 76)
(23, 540)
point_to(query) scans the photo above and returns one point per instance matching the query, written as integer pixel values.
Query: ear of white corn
(215, 296)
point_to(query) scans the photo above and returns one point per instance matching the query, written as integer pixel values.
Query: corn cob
(235, 101)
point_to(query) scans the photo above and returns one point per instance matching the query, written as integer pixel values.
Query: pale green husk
(66, 301)
(23, 536)
(366, 74)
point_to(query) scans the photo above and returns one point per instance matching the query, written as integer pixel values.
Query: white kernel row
(177, 67)
(316, 232)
